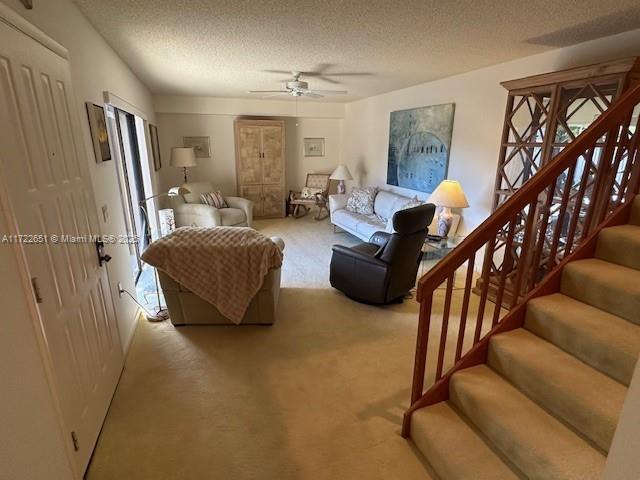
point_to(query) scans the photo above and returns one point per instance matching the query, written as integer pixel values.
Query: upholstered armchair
(190, 212)
(384, 269)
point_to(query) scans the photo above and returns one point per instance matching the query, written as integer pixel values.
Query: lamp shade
(341, 173)
(449, 194)
(175, 191)
(183, 157)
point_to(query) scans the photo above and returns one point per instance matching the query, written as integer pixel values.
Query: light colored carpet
(319, 395)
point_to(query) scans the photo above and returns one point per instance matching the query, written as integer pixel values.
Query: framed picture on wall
(99, 134)
(199, 144)
(155, 147)
(314, 147)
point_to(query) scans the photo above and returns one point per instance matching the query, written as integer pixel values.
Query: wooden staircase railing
(530, 235)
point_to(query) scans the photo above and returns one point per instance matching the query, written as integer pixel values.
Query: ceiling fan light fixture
(298, 88)
(297, 85)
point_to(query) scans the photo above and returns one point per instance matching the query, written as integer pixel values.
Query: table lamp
(341, 173)
(183, 157)
(448, 195)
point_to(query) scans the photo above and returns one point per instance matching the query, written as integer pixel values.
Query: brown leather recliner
(384, 269)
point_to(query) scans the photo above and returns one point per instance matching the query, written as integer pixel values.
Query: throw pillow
(310, 192)
(414, 202)
(361, 200)
(214, 199)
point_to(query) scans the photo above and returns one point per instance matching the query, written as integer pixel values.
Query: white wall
(480, 103)
(247, 106)
(96, 68)
(623, 461)
(215, 119)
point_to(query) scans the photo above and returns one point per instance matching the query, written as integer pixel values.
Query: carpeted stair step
(604, 341)
(635, 211)
(581, 396)
(604, 285)
(452, 449)
(621, 245)
(538, 444)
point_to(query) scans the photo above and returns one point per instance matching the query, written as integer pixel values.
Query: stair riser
(600, 292)
(616, 247)
(533, 441)
(451, 447)
(586, 344)
(541, 383)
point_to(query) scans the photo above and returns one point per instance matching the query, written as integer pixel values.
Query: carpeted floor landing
(319, 395)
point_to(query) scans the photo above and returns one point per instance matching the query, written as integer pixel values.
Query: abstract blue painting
(419, 145)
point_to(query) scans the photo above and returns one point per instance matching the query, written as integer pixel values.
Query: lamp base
(445, 219)
(158, 316)
(341, 187)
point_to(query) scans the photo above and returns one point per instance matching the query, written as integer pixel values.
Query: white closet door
(45, 172)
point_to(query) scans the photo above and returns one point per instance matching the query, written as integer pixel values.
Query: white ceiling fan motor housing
(297, 85)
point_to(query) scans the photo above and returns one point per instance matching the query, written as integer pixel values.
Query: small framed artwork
(314, 147)
(199, 144)
(99, 134)
(155, 147)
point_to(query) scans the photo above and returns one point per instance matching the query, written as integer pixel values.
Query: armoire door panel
(272, 155)
(273, 203)
(260, 165)
(253, 193)
(250, 163)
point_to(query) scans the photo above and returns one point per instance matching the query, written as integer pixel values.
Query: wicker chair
(301, 202)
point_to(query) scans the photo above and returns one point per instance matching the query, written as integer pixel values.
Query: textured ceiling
(222, 47)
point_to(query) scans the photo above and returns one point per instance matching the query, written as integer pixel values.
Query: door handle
(102, 257)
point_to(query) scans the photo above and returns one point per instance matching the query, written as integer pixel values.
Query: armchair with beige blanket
(189, 211)
(219, 276)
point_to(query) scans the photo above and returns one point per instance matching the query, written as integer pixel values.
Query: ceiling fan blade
(278, 94)
(310, 94)
(327, 79)
(279, 72)
(348, 74)
(268, 91)
(329, 92)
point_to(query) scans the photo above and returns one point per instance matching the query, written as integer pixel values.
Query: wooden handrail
(552, 217)
(528, 192)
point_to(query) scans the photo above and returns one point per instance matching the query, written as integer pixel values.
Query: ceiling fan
(298, 88)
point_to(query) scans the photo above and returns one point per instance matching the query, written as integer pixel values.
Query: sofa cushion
(345, 218)
(232, 216)
(363, 225)
(384, 205)
(368, 225)
(361, 200)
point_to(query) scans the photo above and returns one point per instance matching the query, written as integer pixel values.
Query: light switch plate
(105, 213)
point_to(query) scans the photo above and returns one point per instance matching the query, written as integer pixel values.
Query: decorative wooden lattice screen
(544, 114)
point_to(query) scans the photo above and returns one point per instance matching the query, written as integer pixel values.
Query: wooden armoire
(260, 165)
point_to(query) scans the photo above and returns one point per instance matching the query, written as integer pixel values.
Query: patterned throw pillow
(310, 192)
(214, 199)
(361, 200)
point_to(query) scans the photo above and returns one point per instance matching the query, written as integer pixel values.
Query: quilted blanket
(225, 266)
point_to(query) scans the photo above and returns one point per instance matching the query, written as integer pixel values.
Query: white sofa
(190, 212)
(384, 206)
